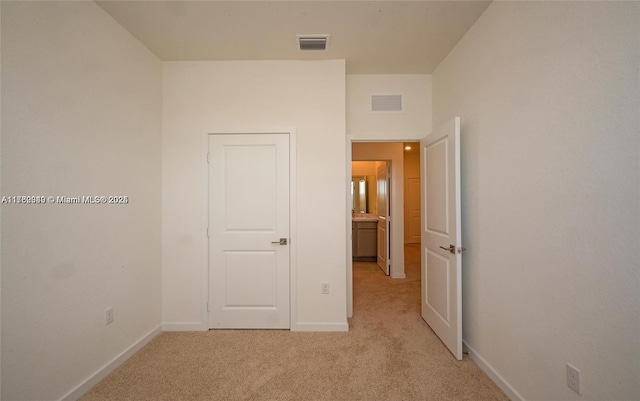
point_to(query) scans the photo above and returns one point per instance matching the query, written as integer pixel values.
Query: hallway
(388, 312)
(382, 300)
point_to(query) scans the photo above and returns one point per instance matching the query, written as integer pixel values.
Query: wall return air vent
(386, 103)
(313, 42)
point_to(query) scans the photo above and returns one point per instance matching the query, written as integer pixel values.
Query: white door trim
(293, 294)
(349, 231)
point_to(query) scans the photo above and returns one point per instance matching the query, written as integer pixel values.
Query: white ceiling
(375, 37)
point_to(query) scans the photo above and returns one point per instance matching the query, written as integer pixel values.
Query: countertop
(364, 217)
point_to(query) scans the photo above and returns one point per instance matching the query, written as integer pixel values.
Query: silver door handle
(452, 248)
(283, 241)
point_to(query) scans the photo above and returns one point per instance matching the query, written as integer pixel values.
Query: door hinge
(207, 306)
(208, 158)
(461, 249)
(207, 232)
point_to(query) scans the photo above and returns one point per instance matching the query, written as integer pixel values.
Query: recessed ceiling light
(313, 42)
(407, 147)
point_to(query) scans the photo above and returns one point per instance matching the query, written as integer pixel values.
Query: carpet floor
(389, 353)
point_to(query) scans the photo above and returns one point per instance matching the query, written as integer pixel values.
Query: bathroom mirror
(359, 194)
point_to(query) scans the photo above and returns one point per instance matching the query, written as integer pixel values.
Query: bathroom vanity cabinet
(364, 233)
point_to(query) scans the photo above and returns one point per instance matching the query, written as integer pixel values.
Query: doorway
(370, 192)
(393, 152)
(440, 231)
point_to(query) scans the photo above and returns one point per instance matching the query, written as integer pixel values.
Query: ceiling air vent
(313, 42)
(386, 103)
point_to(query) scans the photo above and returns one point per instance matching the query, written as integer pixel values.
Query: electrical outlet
(324, 288)
(108, 316)
(573, 378)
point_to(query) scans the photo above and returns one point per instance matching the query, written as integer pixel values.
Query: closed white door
(441, 234)
(249, 231)
(383, 259)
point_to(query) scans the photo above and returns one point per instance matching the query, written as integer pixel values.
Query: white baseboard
(399, 275)
(320, 327)
(88, 384)
(197, 326)
(495, 376)
(188, 326)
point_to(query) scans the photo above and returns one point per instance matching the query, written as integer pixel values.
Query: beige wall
(81, 115)
(363, 168)
(411, 171)
(368, 170)
(256, 96)
(548, 95)
(413, 123)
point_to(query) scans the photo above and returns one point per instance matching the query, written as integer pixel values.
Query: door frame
(293, 289)
(396, 241)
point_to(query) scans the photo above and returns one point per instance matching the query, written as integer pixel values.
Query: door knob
(452, 248)
(283, 241)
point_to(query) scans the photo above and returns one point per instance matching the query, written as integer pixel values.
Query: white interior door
(383, 254)
(441, 234)
(249, 231)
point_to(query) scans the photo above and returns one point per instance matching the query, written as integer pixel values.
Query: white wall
(413, 123)
(81, 115)
(248, 96)
(549, 100)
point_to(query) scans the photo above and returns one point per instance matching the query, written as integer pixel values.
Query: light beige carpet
(389, 353)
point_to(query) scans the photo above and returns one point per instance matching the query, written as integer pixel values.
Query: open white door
(384, 218)
(441, 234)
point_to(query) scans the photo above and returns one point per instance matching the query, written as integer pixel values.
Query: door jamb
(349, 225)
(293, 289)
